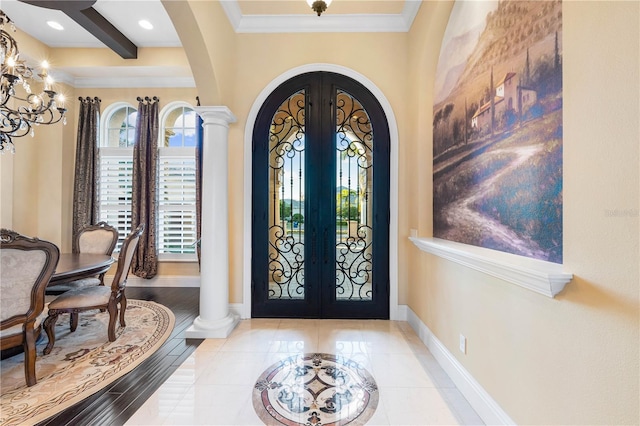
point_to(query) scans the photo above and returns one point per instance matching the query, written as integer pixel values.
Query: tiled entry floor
(216, 383)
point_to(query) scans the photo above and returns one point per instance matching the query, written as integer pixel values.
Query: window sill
(176, 259)
(164, 260)
(537, 275)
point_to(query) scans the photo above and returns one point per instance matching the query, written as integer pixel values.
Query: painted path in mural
(461, 215)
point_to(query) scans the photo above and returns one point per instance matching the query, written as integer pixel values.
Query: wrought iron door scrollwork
(286, 157)
(354, 261)
(286, 265)
(354, 145)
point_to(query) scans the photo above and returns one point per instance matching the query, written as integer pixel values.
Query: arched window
(118, 126)
(176, 232)
(179, 124)
(177, 182)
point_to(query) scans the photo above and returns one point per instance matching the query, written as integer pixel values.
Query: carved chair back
(100, 238)
(129, 246)
(26, 265)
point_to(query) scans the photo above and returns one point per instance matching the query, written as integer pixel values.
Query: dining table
(73, 266)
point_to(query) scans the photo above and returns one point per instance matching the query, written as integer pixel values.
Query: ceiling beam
(104, 31)
(91, 20)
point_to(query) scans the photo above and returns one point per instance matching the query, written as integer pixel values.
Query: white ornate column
(214, 320)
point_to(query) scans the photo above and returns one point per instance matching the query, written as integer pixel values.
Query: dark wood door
(320, 226)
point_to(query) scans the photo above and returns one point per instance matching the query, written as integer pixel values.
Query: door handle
(313, 246)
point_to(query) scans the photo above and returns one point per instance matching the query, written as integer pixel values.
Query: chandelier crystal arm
(19, 114)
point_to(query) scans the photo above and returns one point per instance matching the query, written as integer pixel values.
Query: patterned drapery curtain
(85, 181)
(199, 130)
(143, 194)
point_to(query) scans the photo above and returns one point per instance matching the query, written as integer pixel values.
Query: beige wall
(572, 359)
(34, 182)
(32, 179)
(209, 43)
(425, 36)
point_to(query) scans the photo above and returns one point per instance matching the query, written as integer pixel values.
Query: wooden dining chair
(25, 268)
(96, 297)
(100, 238)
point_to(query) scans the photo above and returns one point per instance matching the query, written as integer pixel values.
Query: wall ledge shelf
(537, 275)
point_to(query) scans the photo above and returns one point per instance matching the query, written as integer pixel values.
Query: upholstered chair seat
(73, 285)
(97, 297)
(82, 298)
(18, 328)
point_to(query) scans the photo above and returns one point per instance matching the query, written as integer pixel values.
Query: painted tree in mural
(497, 163)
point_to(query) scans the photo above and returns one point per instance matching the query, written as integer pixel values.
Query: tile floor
(215, 384)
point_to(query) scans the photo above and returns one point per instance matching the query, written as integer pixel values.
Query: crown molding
(327, 23)
(122, 82)
(133, 82)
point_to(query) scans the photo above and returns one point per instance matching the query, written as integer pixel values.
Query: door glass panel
(286, 199)
(354, 208)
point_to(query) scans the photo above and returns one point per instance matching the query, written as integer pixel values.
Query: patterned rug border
(25, 414)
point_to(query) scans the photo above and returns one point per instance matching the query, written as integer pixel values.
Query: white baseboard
(401, 314)
(164, 281)
(237, 309)
(486, 407)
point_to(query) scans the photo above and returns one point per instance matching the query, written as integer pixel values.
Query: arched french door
(320, 201)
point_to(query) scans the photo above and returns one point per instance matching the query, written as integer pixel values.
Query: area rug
(315, 389)
(81, 363)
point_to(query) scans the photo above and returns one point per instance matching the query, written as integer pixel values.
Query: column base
(218, 329)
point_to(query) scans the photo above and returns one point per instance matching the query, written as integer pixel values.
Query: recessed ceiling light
(145, 24)
(55, 25)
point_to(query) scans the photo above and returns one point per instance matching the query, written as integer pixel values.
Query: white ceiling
(124, 15)
(252, 16)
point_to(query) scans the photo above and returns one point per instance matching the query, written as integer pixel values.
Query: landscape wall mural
(497, 128)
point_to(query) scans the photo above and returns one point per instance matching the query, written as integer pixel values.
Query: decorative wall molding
(329, 23)
(118, 80)
(537, 275)
(486, 407)
(131, 82)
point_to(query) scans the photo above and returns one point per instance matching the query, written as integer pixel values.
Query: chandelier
(18, 115)
(319, 6)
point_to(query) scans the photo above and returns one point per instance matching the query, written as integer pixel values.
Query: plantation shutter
(116, 168)
(176, 201)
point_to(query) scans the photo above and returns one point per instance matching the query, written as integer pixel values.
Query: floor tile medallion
(315, 389)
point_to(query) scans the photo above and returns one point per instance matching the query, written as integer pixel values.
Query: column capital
(220, 115)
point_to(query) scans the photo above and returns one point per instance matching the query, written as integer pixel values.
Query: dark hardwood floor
(115, 404)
